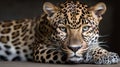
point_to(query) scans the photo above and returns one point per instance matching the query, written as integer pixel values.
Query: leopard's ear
(98, 9)
(49, 8)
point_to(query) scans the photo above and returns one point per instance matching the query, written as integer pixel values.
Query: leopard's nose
(74, 48)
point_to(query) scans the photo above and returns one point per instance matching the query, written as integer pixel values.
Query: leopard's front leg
(99, 55)
(44, 54)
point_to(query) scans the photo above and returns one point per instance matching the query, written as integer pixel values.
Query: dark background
(109, 26)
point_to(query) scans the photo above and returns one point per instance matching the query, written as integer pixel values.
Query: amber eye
(85, 28)
(62, 29)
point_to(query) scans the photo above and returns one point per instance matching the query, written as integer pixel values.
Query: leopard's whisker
(104, 35)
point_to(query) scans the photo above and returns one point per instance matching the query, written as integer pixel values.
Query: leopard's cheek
(62, 36)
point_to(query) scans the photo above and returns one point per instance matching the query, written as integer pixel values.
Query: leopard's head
(76, 26)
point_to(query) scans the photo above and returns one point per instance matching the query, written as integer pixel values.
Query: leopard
(74, 32)
(63, 34)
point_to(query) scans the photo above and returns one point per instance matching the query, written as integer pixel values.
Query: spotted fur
(15, 37)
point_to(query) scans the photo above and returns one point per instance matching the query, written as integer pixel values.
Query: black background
(18, 9)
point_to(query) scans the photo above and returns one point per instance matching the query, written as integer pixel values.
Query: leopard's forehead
(74, 14)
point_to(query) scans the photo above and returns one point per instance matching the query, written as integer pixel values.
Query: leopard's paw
(110, 58)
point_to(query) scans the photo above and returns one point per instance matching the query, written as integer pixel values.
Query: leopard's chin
(75, 60)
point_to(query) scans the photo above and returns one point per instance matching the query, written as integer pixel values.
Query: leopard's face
(76, 26)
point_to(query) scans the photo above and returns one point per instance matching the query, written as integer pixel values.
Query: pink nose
(74, 49)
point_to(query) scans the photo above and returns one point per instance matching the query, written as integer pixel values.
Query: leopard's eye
(85, 28)
(62, 29)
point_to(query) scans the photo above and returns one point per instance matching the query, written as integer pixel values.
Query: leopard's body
(65, 34)
(16, 37)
